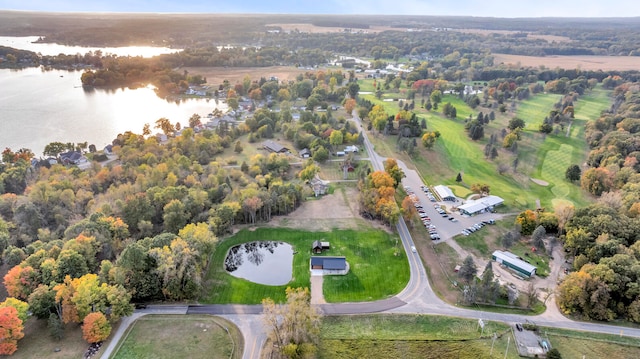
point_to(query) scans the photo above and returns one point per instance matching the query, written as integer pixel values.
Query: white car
(413, 249)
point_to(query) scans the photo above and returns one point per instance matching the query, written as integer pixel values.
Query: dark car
(519, 327)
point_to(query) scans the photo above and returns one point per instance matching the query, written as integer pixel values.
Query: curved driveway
(416, 298)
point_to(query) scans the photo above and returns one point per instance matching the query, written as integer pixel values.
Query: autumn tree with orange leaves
(10, 330)
(95, 328)
(21, 281)
(377, 197)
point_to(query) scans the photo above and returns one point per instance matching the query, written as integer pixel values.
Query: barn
(514, 263)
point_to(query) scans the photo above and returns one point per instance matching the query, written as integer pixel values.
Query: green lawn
(422, 336)
(455, 153)
(332, 170)
(410, 336)
(181, 336)
(370, 254)
(534, 110)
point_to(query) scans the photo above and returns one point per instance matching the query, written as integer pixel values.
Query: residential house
(274, 147)
(330, 265)
(305, 153)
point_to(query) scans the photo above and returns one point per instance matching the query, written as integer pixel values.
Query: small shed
(318, 246)
(514, 262)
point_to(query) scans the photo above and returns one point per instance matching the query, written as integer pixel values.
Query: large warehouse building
(481, 205)
(513, 262)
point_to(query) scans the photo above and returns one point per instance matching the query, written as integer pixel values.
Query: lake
(39, 107)
(27, 43)
(263, 262)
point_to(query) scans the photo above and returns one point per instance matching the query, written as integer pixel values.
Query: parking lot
(438, 218)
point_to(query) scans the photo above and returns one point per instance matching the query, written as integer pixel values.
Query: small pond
(263, 262)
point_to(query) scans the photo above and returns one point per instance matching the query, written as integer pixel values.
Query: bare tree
(294, 327)
(532, 294)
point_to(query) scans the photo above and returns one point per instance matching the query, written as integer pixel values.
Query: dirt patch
(338, 210)
(540, 182)
(605, 63)
(216, 75)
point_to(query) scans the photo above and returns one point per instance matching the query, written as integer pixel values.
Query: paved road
(417, 297)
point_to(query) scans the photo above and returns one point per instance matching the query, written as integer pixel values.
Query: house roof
(335, 263)
(275, 147)
(513, 259)
(480, 204)
(443, 191)
(316, 244)
(305, 151)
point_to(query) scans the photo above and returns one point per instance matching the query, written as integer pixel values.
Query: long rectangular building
(513, 262)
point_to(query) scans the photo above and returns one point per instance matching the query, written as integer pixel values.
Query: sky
(490, 8)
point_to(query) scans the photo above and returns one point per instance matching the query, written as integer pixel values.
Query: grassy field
(455, 153)
(575, 344)
(370, 253)
(534, 110)
(409, 336)
(422, 336)
(604, 63)
(181, 336)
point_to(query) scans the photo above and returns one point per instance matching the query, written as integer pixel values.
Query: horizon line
(314, 14)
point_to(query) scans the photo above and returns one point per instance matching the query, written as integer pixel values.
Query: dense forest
(603, 237)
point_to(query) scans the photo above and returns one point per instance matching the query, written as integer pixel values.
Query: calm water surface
(263, 262)
(26, 43)
(39, 107)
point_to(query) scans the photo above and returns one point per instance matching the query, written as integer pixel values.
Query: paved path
(317, 296)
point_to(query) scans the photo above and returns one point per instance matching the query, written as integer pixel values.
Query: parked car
(519, 327)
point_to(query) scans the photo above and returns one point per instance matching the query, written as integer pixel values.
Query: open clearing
(181, 336)
(605, 63)
(314, 29)
(216, 75)
(373, 257)
(486, 32)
